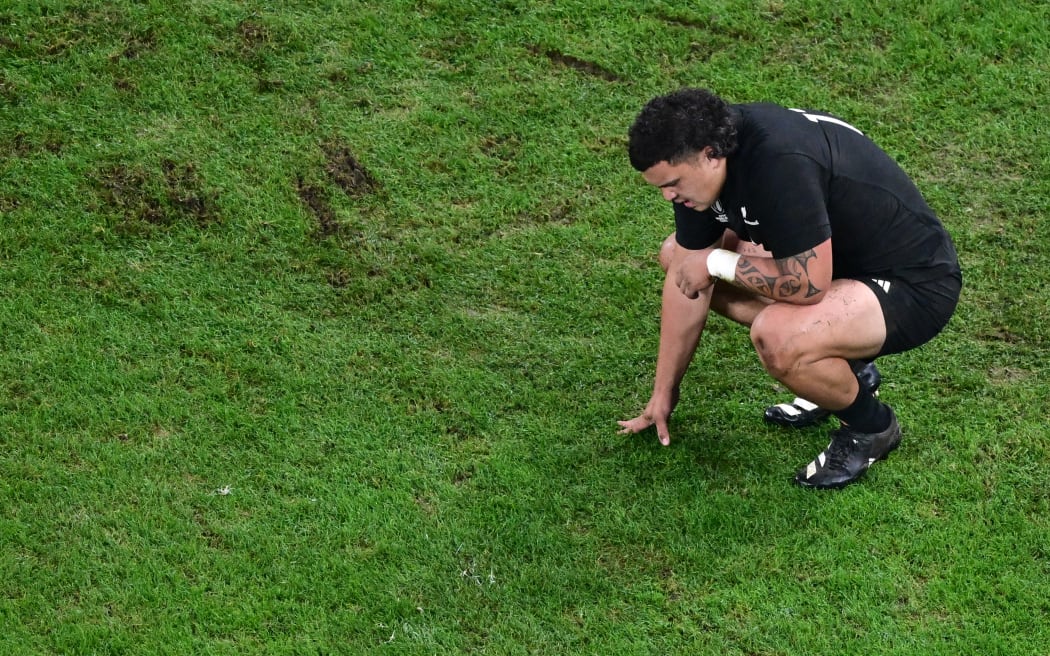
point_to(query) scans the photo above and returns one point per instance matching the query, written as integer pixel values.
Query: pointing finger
(662, 432)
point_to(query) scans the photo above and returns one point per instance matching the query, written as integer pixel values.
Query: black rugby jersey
(800, 177)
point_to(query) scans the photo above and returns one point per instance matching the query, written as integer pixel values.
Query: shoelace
(839, 449)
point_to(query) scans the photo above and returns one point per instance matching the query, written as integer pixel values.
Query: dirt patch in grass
(256, 44)
(575, 63)
(718, 33)
(184, 192)
(253, 34)
(266, 85)
(346, 172)
(504, 150)
(8, 92)
(65, 31)
(18, 146)
(1002, 334)
(143, 197)
(683, 21)
(1008, 375)
(9, 203)
(338, 278)
(315, 198)
(126, 190)
(136, 45)
(463, 476)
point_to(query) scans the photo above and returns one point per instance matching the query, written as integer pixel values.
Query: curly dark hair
(678, 125)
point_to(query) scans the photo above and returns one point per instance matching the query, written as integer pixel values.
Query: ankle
(866, 414)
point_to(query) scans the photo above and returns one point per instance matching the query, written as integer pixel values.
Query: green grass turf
(317, 318)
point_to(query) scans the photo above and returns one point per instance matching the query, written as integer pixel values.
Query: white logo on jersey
(743, 212)
(817, 118)
(885, 284)
(720, 213)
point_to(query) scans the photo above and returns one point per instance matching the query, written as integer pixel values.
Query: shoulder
(765, 118)
(775, 137)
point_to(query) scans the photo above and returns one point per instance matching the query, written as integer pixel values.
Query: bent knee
(667, 251)
(775, 344)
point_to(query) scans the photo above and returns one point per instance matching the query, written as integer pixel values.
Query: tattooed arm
(801, 279)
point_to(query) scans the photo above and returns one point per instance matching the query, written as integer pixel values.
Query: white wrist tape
(722, 264)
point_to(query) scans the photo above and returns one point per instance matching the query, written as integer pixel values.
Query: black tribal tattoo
(794, 276)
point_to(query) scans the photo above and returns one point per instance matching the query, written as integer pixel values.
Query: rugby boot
(848, 456)
(801, 413)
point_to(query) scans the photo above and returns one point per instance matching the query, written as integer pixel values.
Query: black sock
(866, 414)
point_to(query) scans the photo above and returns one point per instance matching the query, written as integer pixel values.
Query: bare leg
(807, 347)
(823, 380)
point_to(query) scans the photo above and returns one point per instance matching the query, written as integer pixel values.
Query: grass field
(317, 317)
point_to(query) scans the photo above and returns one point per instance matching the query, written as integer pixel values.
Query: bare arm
(802, 279)
(682, 319)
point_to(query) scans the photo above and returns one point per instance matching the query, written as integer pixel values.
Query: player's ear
(707, 157)
(700, 157)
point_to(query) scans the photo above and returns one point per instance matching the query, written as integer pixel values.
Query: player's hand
(692, 276)
(656, 413)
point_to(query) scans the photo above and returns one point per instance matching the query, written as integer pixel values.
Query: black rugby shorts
(915, 311)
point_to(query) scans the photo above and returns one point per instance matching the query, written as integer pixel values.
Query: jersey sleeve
(793, 208)
(694, 229)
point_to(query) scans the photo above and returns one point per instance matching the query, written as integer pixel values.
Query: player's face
(694, 182)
